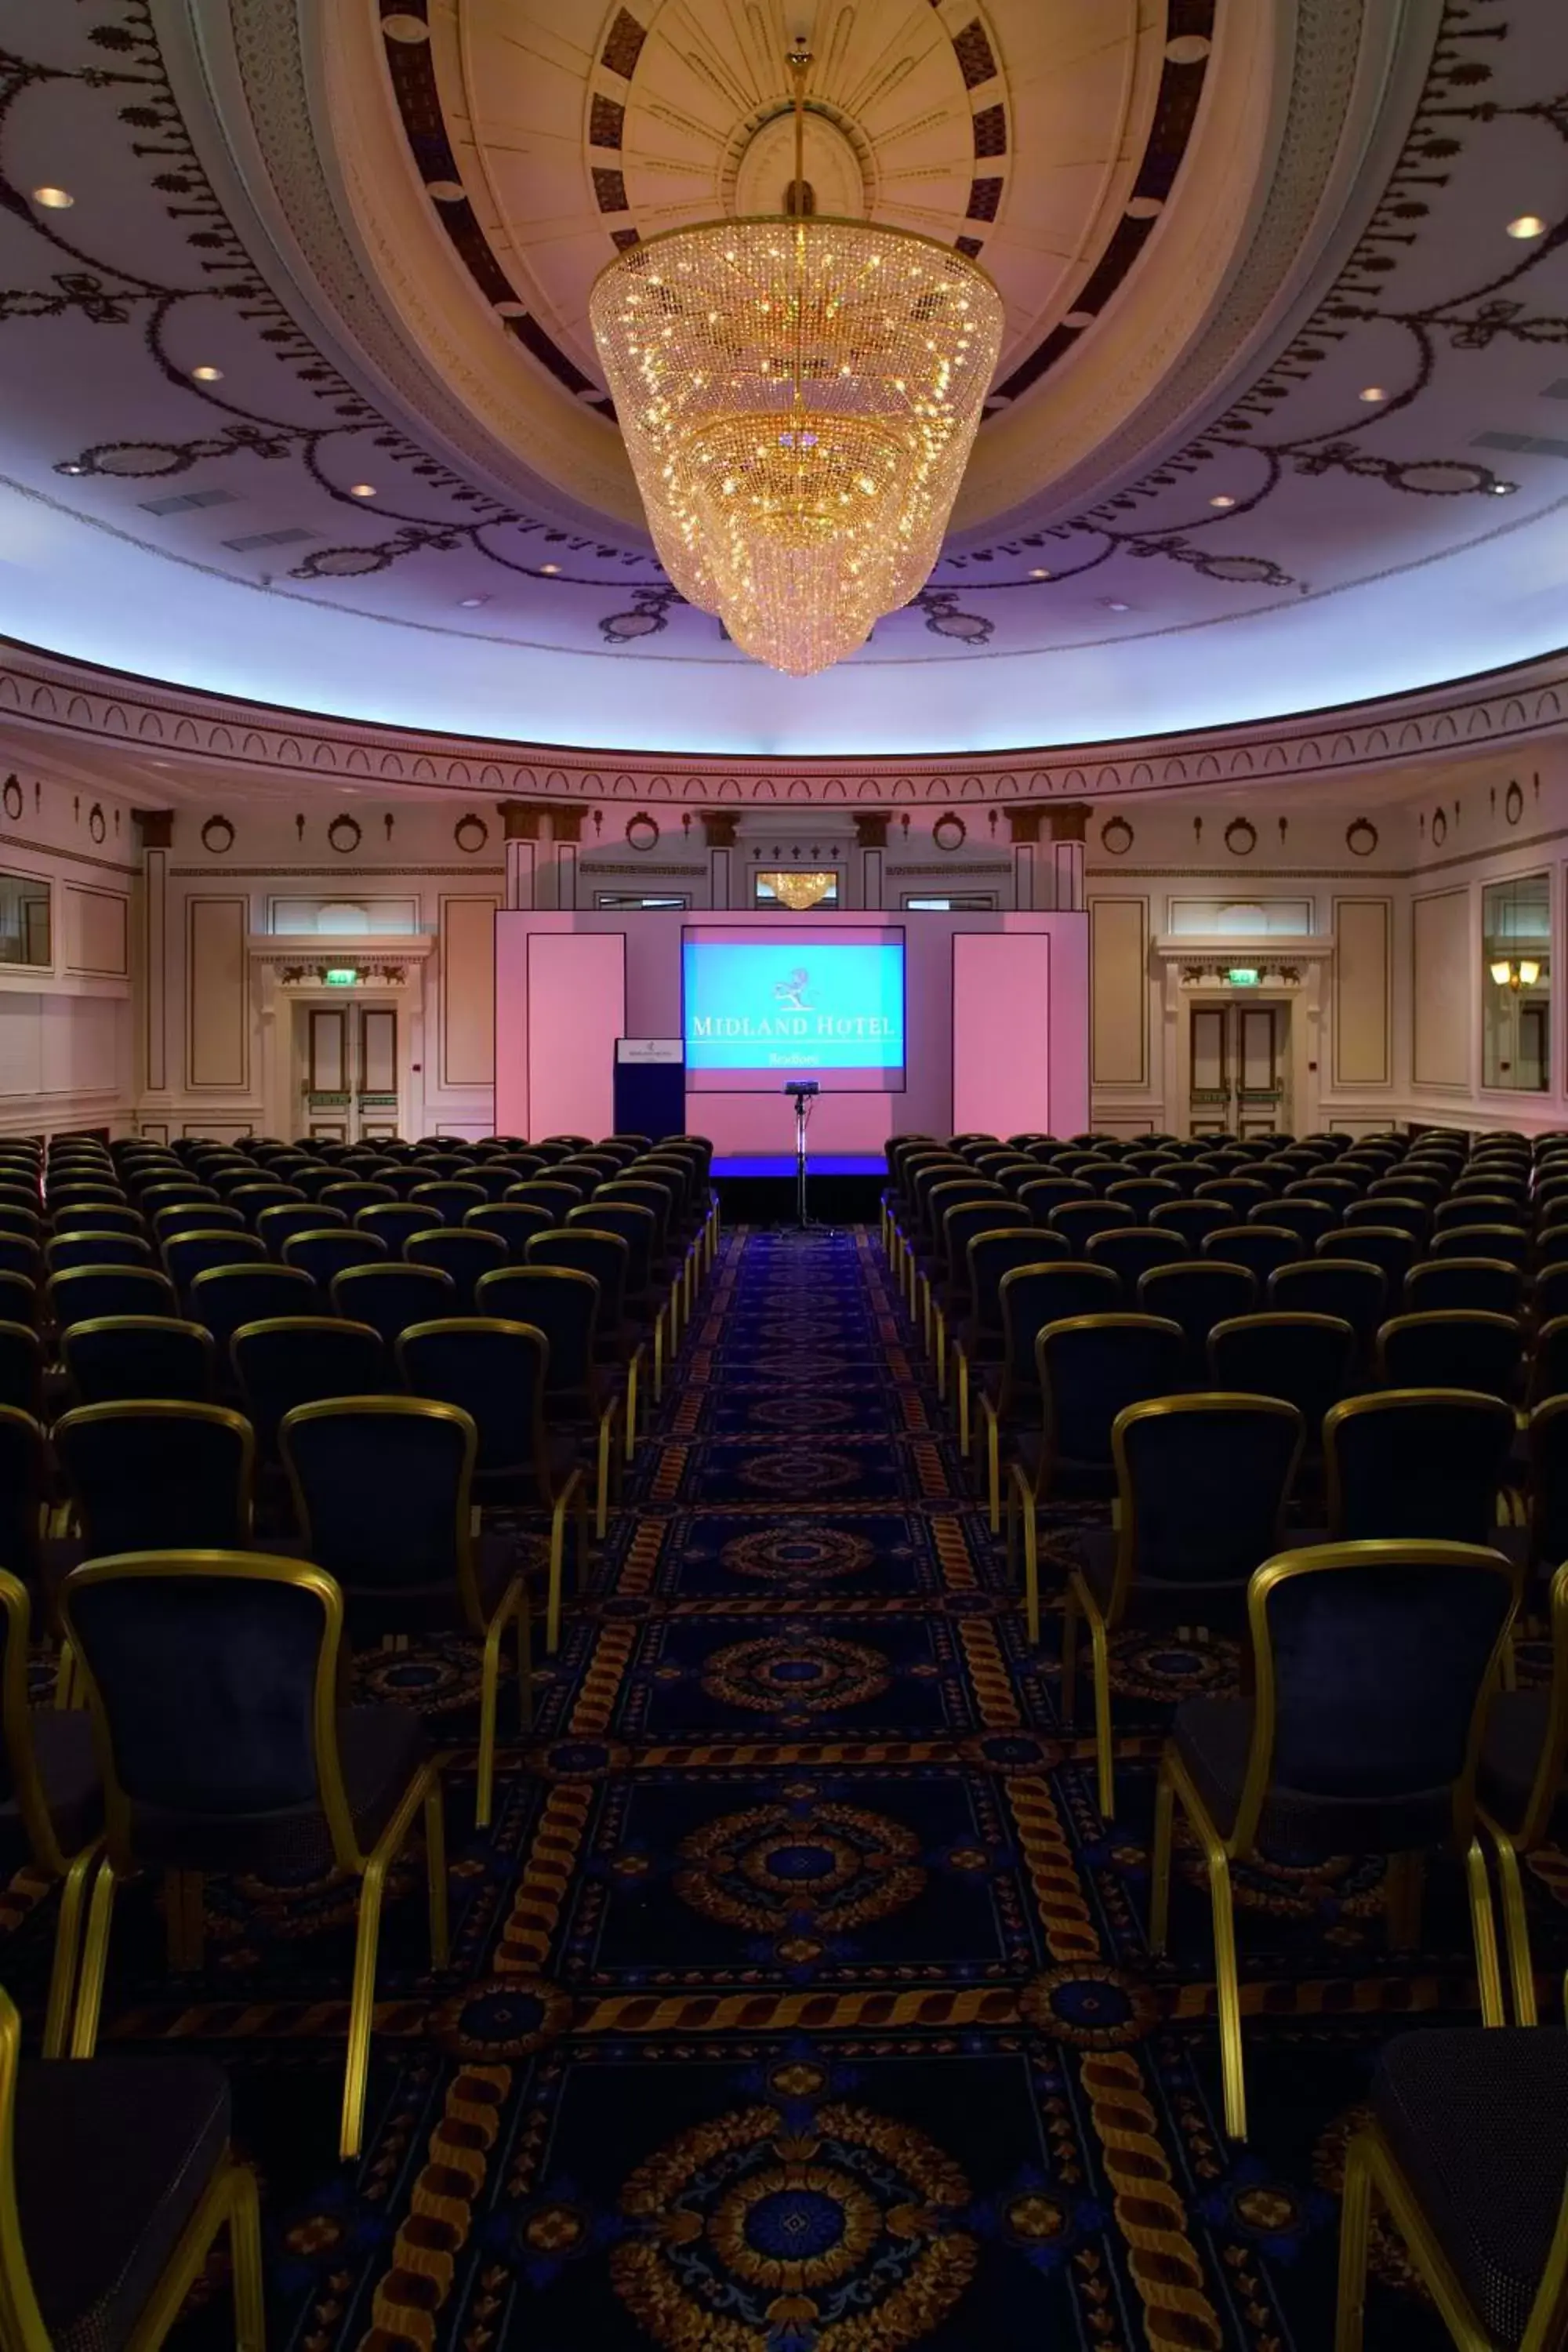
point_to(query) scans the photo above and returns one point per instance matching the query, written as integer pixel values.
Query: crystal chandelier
(799, 396)
(798, 891)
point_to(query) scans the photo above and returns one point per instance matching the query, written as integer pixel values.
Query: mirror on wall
(1516, 985)
(24, 935)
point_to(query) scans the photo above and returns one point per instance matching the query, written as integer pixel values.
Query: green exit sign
(1243, 975)
(345, 976)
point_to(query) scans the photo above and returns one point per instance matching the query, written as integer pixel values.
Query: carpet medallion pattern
(799, 1998)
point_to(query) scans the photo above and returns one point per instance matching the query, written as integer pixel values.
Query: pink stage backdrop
(996, 1025)
(577, 1001)
(1001, 1032)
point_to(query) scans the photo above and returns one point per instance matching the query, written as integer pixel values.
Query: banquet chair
(1197, 1296)
(121, 1357)
(1201, 1487)
(51, 1807)
(1489, 1286)
(154, 1473)
(1456, 1350)
(991, 1253)
(213, 1677)
(1424, 1462)
(86, 1293)
(330, 1250)
(1045, 1291)
(462, 1251)
(304, 1359)
(1373, 1665)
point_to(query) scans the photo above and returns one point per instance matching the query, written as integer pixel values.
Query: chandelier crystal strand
(799, 397)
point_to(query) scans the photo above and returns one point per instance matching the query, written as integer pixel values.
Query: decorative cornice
(51, 698)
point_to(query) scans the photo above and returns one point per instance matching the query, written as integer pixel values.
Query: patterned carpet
(799, 2001)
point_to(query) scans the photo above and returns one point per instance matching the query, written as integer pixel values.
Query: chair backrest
(1197, 1296)
(1079, 1221)
(496, 1372)
(87, 1293)
(353, 1194)
(1089, 1368)
(1240, 1194)
(102, 1217)
(544, 1192)
(187, 1255)
(1201, 1482)
(959, 1225)
(1261, 1249)
(1488, 1283)
(21, 1368)
(83, 1247)
(993, 1252)
(383, 1488)
(561, 1301)
(154, 1473)
(1387, 1247)
(1353, 1289)
(1306, 1215)
(301, 1360)
(390, 1295)
(1044, 1292)
(1416, 1462)
(1510, 1243)
(226, 1296)
(125, 1356)
(514, 1223)
(448, 1198)
(23, 1476)
(637, 1227)
(213, 1677)
(1193, 1219)
(1306, 1359)
(605, 1256)
(1131, 1250)
(1456, 1350)
(1548, 1445)
(392, 1222)
(1041, 1194)
(1549, 1360)
(461, 1251)
(1373, 1665)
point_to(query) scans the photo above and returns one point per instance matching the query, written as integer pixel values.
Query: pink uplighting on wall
(575, 996)
(1001, 1032)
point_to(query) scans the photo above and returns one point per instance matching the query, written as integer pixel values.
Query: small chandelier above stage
(799, 396)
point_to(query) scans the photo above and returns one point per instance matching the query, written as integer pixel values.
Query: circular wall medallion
(470, 834)
(218, 836)
(950, 832)
(96, 823)
(1440, 828)
(1116, 837)
(1513, 804)
(13, 798)
(1241, 837)
(344, 836)
(1360, 837)
(642, 832)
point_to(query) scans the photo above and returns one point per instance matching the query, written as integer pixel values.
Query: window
(1240, 919)
(613, 901)
(24, 934)
(957, 902)
(1516, 985)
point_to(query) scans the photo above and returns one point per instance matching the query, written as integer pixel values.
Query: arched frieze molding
(44, 699)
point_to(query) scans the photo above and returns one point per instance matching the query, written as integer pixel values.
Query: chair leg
(489, 1699)
(993, 1471)
(1067, 1698)
(962, 1402)
(525, 1663)
(94, 1963)
(633, 1369)
(245, 2260)
(557, 1564)
(1355, 2245)
(1488, 1974)
(1104, 1757)
(68, 1943)
(435, 1871)
(1228, 1987)
(584, 1545)
(1160, 1860)
(940, 1351)
(659, 1357)
(602, 1487)
(1516, 1928)
(362, 2004)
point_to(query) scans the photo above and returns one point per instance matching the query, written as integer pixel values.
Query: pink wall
(995, 1018)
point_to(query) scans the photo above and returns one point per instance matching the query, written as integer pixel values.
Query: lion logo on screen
(791, 992)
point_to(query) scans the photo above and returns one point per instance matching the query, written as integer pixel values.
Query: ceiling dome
(302, 402)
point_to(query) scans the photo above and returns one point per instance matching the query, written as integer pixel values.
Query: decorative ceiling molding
(50, 702)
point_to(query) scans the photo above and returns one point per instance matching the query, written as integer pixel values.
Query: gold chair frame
(1176, 1782)
(210, 1416)
(1385, 1401)
(1535, 1828)
(423, 1794)
(992, 1412)
(75, 1873)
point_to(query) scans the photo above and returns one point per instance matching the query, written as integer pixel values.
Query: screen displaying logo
(778, 1008)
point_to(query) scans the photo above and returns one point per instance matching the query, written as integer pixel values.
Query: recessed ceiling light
(73, 469)
(445, 192)
(551, 567)
(1039, 573)
(1373, 391)
(206, 374)
(361, 489)
(469, 604)
(54, 200)
(1223, 498)
(1503, 490)
(1115, 604)
(1527, 226)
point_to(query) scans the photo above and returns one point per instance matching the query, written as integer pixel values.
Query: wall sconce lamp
(1522, 974)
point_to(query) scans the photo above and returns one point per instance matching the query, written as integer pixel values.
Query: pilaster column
(1068, 822)
(565, 834)
(156, 829)
(1023, 824)
(718, 832)
(871, 842)
(521, 823)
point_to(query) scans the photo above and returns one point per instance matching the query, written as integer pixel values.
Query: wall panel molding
(1119, 991)
(467, 952)
(1363, 993)
(1441, 989)
(217, 995)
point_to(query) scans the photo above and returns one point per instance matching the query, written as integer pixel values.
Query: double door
(347, 1059)
(1240, 1057)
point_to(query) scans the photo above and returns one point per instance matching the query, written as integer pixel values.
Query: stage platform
(758, 1188)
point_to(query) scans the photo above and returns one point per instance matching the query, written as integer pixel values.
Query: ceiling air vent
(1529, 444)
(269, 539)
(184, 500)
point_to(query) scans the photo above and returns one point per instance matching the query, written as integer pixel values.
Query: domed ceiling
(300, 400)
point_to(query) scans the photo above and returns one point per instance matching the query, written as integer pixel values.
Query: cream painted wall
(66, 1024)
